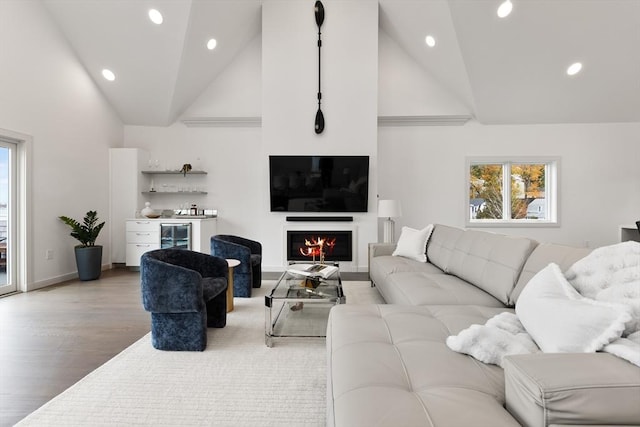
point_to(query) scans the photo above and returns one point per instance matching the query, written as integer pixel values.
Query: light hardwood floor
(51, 338)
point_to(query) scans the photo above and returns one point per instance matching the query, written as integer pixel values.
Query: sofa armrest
(381, 249)
(546, 389)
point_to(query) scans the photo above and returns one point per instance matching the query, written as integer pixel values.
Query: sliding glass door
(7, 215)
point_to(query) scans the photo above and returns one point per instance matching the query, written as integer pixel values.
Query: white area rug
(236, 381)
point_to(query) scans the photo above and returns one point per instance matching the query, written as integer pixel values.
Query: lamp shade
(389, 209)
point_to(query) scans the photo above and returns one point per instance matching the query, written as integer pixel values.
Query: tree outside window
(531, 198)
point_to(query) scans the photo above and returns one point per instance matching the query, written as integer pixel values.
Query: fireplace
(305, 245)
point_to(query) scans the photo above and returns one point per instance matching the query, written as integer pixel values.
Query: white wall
(232, 156)
(424, 167)
(599, 179)
(47, 94)
(349, 98)
(406, 88)
(276, 77)
(237, 91)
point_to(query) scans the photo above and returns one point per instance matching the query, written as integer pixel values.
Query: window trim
(552, 172)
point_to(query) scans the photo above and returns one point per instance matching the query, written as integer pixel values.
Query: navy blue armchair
(185, 291)
(249, 252)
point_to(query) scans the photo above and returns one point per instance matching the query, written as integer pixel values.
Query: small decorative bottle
(147, 211)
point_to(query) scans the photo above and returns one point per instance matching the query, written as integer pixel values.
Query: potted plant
(88, 254)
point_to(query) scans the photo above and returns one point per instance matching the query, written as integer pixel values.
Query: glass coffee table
(299, 304)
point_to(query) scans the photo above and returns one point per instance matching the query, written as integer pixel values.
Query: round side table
(232, 264)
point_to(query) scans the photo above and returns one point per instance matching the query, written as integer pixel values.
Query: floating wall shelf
(176, 172)
(174, 192)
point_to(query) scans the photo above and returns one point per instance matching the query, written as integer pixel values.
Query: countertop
(175, 218)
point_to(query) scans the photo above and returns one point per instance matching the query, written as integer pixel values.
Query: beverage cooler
(175, 236)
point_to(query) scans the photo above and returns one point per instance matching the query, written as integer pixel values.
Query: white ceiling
(507, 71)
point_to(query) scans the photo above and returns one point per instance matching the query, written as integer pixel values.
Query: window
(508, 192)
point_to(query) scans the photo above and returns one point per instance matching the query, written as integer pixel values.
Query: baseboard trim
(60, 279)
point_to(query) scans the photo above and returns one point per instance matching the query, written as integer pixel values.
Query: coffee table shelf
(298, 306)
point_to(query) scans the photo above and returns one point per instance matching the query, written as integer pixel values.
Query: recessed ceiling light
(574, 68)
(505, 9)
(211, 44)
(108, 74)
(430, 41)
(155, 16)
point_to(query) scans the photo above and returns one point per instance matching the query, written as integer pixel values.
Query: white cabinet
(202, 231)
(143, 235)
(125, 184)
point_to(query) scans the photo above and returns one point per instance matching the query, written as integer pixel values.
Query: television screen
(319, 183)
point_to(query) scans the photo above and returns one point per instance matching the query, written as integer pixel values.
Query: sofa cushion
(212, 287)
(490, 261)
(424, 288)
(382, 266)
(596, 388)
(541, 256)
(441, 244)
(414, 379)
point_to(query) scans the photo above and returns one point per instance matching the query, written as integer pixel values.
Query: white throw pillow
(560, 320)
(413, 243)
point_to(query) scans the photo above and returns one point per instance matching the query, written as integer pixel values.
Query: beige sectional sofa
(389, 365)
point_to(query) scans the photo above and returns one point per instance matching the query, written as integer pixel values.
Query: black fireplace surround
(341, 251)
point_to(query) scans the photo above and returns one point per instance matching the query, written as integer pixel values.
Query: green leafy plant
(87, 232)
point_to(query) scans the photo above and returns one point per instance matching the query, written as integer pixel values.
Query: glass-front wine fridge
(175, 236)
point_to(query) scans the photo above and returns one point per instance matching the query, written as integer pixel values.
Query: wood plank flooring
(52, 337)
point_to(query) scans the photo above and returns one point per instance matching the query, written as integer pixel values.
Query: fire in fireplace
(319, 246)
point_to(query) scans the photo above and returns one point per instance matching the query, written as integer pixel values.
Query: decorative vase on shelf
(147, 211)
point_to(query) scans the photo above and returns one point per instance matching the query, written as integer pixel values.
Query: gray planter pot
(89, 262)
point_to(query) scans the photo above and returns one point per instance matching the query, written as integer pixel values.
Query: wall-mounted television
(319, 183)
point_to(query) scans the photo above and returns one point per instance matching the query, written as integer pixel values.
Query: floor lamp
(389, 209)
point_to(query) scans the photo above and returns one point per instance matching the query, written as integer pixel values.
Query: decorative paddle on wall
(319, 12)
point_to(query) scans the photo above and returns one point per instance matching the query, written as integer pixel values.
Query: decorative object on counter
(193, 210)
(186, 168)
(88, 254)
(149, 212)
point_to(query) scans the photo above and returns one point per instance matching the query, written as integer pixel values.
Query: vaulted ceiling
(507, 71)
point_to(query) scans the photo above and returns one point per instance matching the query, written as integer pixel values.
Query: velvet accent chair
(185, 291)
(249, 252)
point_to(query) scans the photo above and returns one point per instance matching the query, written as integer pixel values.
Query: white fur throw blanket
(593, 306)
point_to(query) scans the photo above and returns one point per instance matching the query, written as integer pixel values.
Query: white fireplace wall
(289, 104)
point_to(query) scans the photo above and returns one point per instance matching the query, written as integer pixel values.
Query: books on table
(313, 270)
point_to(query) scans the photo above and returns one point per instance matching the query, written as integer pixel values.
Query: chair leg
(217, 311)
